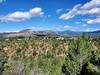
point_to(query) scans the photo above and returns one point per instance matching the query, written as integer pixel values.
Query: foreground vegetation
(50, 56)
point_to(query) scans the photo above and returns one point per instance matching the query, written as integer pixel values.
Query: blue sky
(57, 15)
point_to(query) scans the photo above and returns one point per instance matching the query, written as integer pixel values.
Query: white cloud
(21, 16)
(11, 31)
(90, 30)
(77, 22)
(36, 11)
(93, 11)
(91, 4)
(90, 8)
(34, 28)
(67, 27)
(1, 1)
(59, 11)
(84, 25)
(71, 13)
(48, 16)
(93, 21)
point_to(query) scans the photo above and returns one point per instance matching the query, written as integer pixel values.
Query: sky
(56, 15)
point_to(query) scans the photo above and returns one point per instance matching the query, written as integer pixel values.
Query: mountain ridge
(30, 32)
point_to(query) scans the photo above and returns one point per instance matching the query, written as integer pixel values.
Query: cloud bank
(22, 16)
(90, 8)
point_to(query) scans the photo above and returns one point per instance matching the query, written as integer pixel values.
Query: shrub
(80, 52)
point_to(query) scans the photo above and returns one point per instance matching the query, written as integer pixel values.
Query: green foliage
(49, 56)
(50, 64)
(80, 52)
(92, 69)
(2, 61)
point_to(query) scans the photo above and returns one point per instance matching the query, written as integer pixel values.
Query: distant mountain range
(30, 32)
(69, 33)
(93, 33)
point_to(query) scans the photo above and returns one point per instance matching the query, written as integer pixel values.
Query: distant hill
(93, 33)
(69, 33)
(24, 33)
(30, 32)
